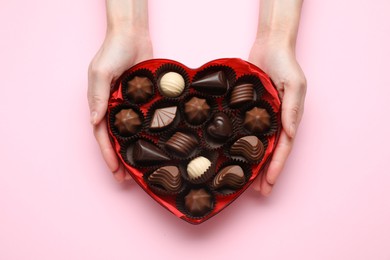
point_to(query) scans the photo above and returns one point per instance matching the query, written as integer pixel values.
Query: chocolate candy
(145, 152)
(163, 117)
(230, 177)
(250, 147)
(214, 83)
(139, 89)
(198, 202)
(167, 177)
(257, 120)
(221, 127)
(182, 144)
(196, 110)
(197, 167)
(172, 84)
(241, 94)
(127, 122)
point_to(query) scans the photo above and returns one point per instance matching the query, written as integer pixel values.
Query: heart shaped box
(238, 71)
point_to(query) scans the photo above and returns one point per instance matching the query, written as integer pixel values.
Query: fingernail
(292, 130)
(93, 117)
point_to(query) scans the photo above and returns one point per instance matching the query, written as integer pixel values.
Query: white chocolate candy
(172, 84)
(197, 167)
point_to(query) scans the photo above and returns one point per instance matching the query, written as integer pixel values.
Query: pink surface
(59, 201)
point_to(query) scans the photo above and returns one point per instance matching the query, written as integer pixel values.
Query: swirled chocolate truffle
(127, 121)
(182, 144)
(196, 110)
(172, 84)
(197, 167)
(241, 94)
(163, 117)
(250, 147)
(221, 127)
(167, 177)
(198, 202)
(213, 83)
(257, 120)
(139, 89)
(230, 177)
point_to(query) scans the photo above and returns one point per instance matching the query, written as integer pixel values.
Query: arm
(274, 52)
(127, 42)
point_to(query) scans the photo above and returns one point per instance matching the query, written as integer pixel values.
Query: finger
(279, 158)
(256, 183)
(108, 153)
(98, 93)
(265, 187)
(128, 176)
(120, 174)
(292, 108)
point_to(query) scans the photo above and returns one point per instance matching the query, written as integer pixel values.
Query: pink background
(58, 200)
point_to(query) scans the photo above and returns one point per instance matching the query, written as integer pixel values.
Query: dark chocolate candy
(196, 110)
(198, 202)
(250, 147)
(181, 143)
(230, 177)
(221, 127)
(167, 177)
(163, 117)
(214, 83)
(146, 152)
(257, 120)
(139, 89)
(127, 122)
(241, 94)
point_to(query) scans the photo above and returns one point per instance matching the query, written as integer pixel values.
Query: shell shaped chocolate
(250, 147)
(167, 177)
(231, 177)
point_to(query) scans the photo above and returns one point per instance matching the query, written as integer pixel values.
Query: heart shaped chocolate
(194, 139)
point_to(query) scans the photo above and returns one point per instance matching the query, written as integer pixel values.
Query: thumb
(98, 93)
(292, 109)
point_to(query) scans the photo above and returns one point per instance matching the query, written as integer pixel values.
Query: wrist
(280, 39)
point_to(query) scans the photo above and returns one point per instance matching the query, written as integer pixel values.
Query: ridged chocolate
(127, 122)
(172, 84)
(250, 147)
(139, 89)
(145, 152)
(257, 120)
(231, 176)
(214, 83)
(181, 143)
(241, 94)
(162, 117)
(196, 110)
(221, 127)
(198, 202)
(197, 167)
(167, 177)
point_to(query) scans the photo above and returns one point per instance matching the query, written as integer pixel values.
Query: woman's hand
(279, 62)
(120, 51)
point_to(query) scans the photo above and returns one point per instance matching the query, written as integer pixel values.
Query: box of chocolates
(194, 139)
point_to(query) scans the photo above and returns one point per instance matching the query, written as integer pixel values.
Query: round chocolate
(197, 167)
(196, 110)
(139, 89)
(127, 121)
(172, 84)
(198, 202)
(250, 147)
(257, 120)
